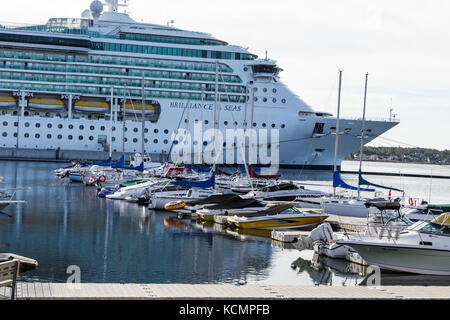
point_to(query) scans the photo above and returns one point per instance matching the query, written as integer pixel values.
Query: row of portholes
(274, 100)
(205, 143)
(81, 138)
(226, 123)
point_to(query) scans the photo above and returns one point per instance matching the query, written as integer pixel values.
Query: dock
(91, 291)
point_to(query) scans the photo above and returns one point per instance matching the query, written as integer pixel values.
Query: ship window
(49, 125)
(102, 128)
(81, 127)
(264, 125)
(156, 131)
(5, 134)
(283, 126)
(135, 140)
(49, 136)
(166, 131)
(59, 137)
(283, 100)
(91, 138)
(318, 128)
(38, 125)
(166, 141)
(26, 135)
(60, 126)
(265, 90)
(265, 99)
(155, 141)
(135, 130)
(274, 90)
(92, 128)
(80, 138)
(5, 123)
(37, 135)
(70, 126)
(273, 125)
(274, 100)
(70, 137)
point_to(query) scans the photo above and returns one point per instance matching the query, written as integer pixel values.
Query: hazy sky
(404, 45)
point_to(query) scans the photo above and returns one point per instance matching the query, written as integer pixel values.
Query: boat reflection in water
(408, 279)
(326, 271)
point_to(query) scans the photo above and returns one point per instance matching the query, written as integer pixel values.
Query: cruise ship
(104, 82)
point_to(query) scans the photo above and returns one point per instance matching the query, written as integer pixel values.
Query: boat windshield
(435, 228)
(291, 210)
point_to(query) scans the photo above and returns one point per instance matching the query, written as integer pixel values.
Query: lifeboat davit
(7, 102)
(47, 104)
(137, 109)
(91, 106)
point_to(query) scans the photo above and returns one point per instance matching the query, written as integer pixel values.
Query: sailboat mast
(111, 123)
(336, 144)
(363, 131)
(143, 114)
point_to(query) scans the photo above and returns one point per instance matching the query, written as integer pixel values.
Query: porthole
(113, 128)
(283, 126)
(256, 99)
(273, 125)
(245, 69)
(145, 140)
(145, 130)
(59, 137)
(70, 126)
(26, 135)
(205, 143)
(155, 141)
(166, 131)
(38, 125)
(5, 134)
(156, 131)
(70, 137)
(60, 126)
(206, 121)
(5, 124)
(15, 134)
(254, 124)
(113, 139)
(81, 127)
(27, 124)
(265, 90)
(264, 125)
(235, 123)
(80, 138)
(255, 89)
(274, 90)
(125, 129)
(37, 135)
(49, 136)
(102, 128)
(91, 138)
(92, 128)
(16, 124)
(49, 125)
(125, 140)
(265, 99)
(166, 141)
(225, 123)
(274, 100)
(283, 100)
(135, 130)
(135, 140)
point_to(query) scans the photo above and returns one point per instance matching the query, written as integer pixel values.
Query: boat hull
(278, 223)
(405, 259)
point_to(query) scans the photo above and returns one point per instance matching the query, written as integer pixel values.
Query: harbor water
(64, 224)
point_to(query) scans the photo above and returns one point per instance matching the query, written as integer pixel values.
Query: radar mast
(114, 5)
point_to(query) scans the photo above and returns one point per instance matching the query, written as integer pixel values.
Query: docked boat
(46, 104)
(8, 102)
(159, 200)
(277, 218)
(233, 206)
(422, 248)
(425, 211)
(26, 264)
(91, 106)
(286, 191)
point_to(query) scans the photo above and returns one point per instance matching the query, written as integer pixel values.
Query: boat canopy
(383, 205)
(364, 182)
(270, 211)
(217, 198)
(237, 203)
(339, 183)
(203, 184)
(443, 219)
(282, 187)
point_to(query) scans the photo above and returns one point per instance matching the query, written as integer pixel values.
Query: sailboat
(351, 206)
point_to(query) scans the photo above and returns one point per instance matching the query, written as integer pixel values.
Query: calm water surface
(64, 224)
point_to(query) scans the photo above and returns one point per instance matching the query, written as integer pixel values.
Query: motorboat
(159, 200)
(422, 248)
(26, 264)
(425, 211)
(286, 191)
(349, 206)
(278, 217)
(387, 219)
(233, 206)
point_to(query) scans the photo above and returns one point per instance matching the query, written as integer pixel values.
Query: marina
(142, 161)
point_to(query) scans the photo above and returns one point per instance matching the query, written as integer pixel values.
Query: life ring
(411, 201)
(175, 205)
(102, 179)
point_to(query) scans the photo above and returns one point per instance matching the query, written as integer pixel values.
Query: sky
(404, 45)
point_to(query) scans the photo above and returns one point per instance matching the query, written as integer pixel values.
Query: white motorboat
(425, 211)
(349, 207)
(26, 264)
(422, 248)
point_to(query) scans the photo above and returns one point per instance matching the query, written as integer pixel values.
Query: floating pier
(91, 291)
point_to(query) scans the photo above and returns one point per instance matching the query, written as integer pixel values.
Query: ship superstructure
(86, 84)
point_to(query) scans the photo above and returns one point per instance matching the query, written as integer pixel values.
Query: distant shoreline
(396, 161)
